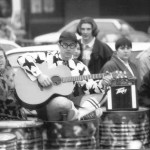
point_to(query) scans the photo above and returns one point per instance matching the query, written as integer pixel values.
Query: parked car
(110, 31)
(8, 45)
(15, 53)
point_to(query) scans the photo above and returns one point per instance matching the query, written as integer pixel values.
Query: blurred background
(28, 19)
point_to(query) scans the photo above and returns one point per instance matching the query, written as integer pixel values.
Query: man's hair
(123, 42)
(88, 20)
(65, 35)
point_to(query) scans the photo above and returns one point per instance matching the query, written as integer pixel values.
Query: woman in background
(9, 108)
(78, 51)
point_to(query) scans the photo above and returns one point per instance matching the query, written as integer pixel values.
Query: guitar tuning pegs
(107, 72)
(117, 71)
(124, 72)
(120, 74)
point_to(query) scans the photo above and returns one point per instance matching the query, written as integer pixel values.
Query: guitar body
(32, 95)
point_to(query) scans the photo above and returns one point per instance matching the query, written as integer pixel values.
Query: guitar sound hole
(56, 80)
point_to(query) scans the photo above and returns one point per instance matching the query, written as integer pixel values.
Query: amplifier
(122, 95)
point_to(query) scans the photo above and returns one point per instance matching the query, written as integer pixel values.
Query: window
(42, 6)
(49, 6)
(5, 8)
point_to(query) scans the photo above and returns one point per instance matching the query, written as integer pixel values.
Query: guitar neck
(80, 78)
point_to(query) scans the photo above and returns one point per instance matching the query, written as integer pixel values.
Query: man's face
(86, 31)
(67, 49)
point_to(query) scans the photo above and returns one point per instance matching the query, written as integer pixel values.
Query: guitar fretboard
(80, 78)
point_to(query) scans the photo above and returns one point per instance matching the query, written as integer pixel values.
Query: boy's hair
(123, 42)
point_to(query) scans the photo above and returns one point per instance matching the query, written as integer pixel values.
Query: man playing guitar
(83, 96)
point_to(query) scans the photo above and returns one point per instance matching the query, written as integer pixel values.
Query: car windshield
(70, 28)
(126, 26)
(107, 27)
(7, 47)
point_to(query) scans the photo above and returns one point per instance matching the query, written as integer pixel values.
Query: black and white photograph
(74, 74)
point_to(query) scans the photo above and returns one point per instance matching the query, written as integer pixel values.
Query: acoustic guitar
(31, 93)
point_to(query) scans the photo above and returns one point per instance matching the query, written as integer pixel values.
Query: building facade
(44, 16)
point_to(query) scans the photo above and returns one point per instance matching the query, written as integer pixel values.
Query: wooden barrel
(118, 128)
(28, 133)
(8, 141)
(71, 134)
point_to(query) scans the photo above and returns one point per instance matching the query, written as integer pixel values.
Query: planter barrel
(71, 134)
(118, 128)
(28, 133)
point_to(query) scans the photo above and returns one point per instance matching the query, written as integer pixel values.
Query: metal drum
(71, 134)
(118, 128)
(8, 141)
(28, 133)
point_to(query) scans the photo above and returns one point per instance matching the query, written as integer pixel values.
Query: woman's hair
(7, 61)
(88, 20)
(81, 50)
(123, 42)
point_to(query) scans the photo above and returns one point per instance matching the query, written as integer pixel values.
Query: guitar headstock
(111, 76)
(117, 77)
(119, 74)
(121, 78)
(116, 74)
